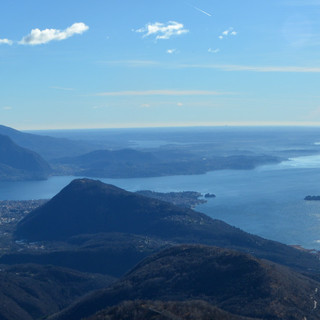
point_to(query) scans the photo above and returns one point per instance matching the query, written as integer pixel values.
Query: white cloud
(213, 50)
(162, 93)
(38, 36)
(7, 108)
(162, 30)
(227, 33)
(171, 51)
(6, 41)
(145, 105)
(179, 104)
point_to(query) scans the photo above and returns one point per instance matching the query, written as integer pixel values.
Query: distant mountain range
(48, 147)
(84, 158)
(129, 163)
(17, 163)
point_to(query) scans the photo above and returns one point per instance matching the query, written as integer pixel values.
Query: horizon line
(174, 125)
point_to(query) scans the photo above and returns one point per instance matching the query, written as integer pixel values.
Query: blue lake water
(267, 201)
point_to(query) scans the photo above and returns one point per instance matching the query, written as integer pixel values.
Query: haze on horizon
(103, 64)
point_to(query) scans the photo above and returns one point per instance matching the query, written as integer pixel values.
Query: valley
(112, 238)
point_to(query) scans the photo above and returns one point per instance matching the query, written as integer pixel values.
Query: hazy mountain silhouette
(47, 147)
(129, 163)
(232, 281)
(17, 163)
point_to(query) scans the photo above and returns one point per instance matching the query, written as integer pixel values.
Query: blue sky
(103, 63)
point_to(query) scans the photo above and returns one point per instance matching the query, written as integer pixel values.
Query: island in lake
(312, 198)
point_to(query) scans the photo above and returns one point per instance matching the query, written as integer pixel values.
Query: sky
(126, 63)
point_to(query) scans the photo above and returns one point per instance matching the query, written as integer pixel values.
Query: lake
(267, 201)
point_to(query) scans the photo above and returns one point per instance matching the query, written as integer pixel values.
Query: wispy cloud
(6, 41)
(171, 51)
(130, 63)
(99, 107)
(61, 88)
(202, 11)
(163, 31)
(145, 105)
(38, 36)
(292, 69)
(213, 50)
(224, 67)
(229, 32)
(299, 31)
(163, 93)
(7, 108)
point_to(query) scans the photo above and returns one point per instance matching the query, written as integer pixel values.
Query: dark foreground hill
(92, 207)
(232, 281)
(17, 163)
(106, 253)
(30, 292)
(165, 310)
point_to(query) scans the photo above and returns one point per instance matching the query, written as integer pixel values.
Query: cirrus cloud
(163, 31)
(163, 93)
(38, 36)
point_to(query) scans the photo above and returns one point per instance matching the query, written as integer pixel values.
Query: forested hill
(226, 279)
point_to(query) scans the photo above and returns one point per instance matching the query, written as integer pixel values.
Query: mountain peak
(89, 206)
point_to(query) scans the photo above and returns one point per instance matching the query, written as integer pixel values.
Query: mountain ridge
(18, 163)
(235, 282)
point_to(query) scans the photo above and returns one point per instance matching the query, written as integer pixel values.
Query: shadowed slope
(31, 291)
(90, 207)
(165, 310)
(232, 281)
(17, 163)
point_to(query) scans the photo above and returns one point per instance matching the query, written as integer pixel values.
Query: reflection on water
(302, 162)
